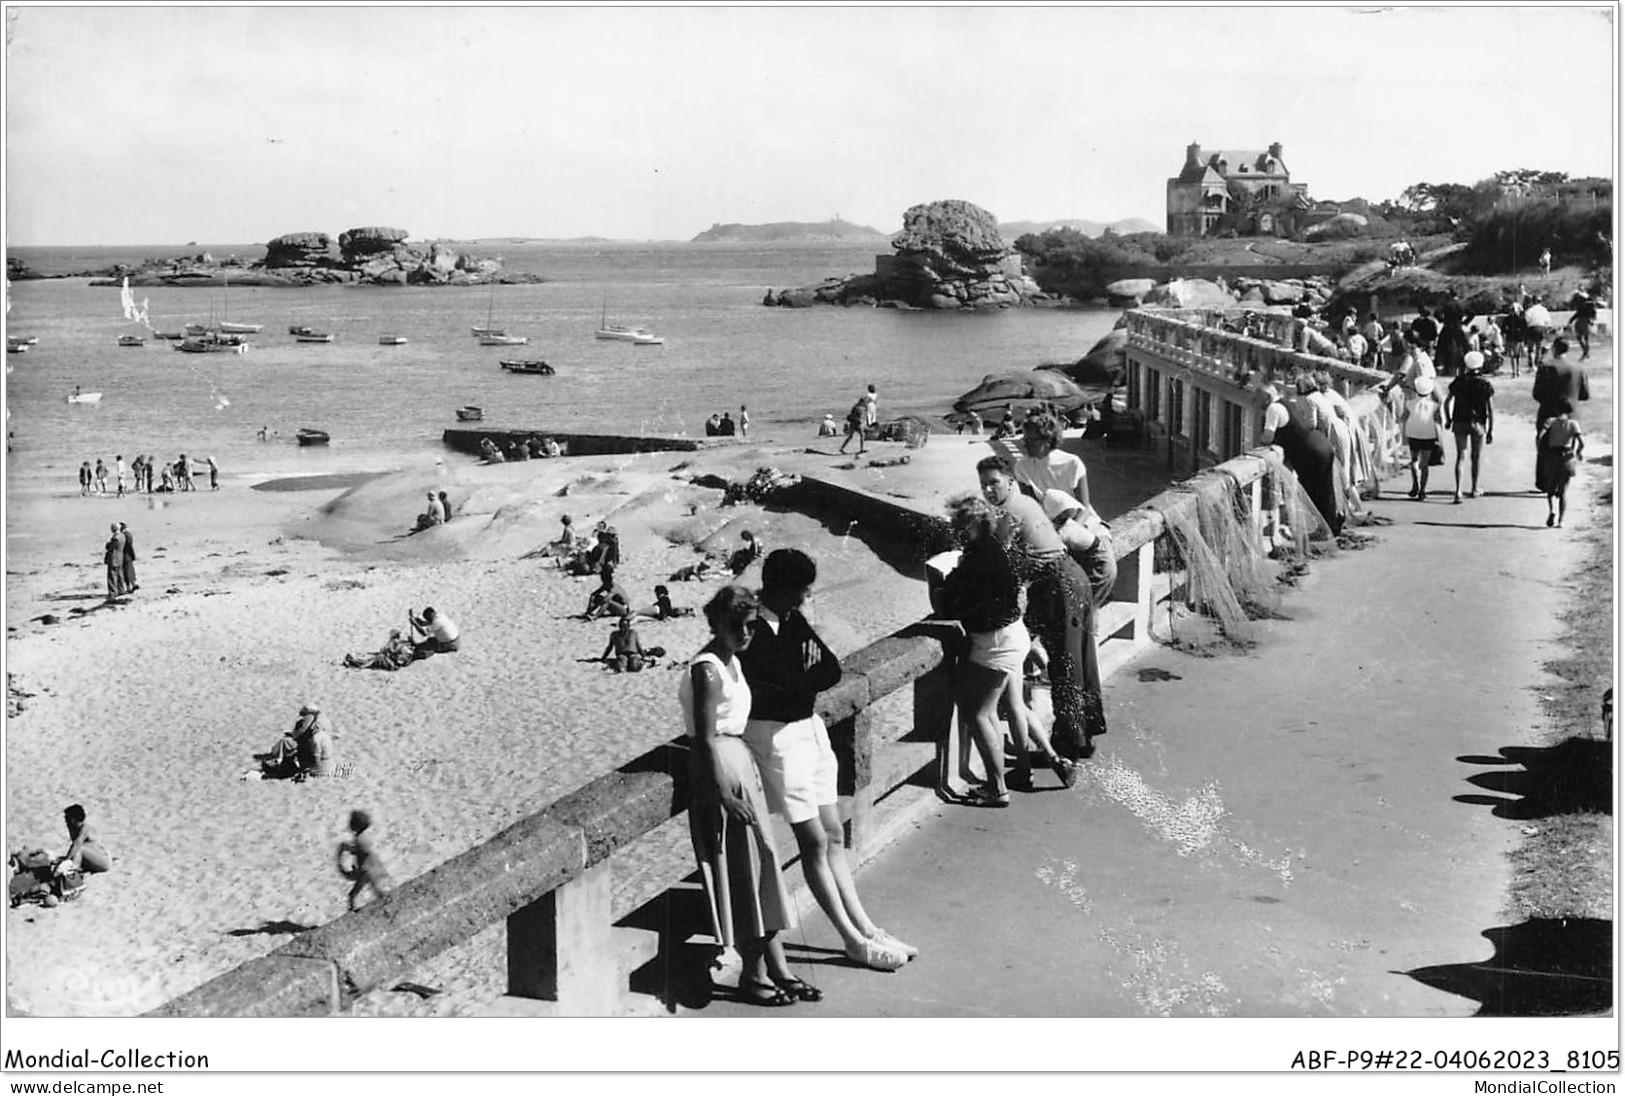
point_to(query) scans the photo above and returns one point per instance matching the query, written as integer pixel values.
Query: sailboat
(229, 328)
(636, 335)
(490, 330)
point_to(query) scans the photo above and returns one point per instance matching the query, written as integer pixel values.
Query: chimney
(1275, 150)
(1193, 157)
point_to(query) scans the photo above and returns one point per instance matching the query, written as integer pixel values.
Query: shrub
(1512, 235)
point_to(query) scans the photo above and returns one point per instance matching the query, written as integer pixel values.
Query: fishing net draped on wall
(1221, 557)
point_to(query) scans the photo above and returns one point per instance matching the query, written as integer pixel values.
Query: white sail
(132, 312)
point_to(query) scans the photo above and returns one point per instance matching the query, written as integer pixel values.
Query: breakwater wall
(467, 440)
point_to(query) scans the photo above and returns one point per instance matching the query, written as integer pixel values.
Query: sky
(127, 125)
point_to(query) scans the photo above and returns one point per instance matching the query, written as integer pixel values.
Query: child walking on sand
(358, 861)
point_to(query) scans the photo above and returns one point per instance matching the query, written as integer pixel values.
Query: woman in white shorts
(984, 594)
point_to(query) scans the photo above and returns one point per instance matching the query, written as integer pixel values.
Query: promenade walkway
(1285, 832)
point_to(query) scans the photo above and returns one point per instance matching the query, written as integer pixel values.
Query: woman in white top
(1046, 465)
(728, 812)
(1424, 427)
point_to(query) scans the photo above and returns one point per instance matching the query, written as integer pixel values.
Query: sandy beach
(148, 711)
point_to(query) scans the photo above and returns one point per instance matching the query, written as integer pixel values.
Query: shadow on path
(1574, 776)
(273, 928)
(1540, 968)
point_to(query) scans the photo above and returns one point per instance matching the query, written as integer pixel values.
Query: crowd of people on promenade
(145, 475)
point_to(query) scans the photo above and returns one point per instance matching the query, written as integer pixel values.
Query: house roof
(1257, 162)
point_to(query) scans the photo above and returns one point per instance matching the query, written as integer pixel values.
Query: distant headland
(785, 231)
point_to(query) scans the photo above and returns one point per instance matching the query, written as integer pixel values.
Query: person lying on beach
(85, 853)
(663, 609)
(397, 654)
(693, 571)
(303, 752)
(439, 633)
(608, 600)
(359, 862)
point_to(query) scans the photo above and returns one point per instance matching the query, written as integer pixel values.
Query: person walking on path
(84, 479)
(871, 407)
(113, 559)
(733, 843)
(1424, 427)
(214, 473)
(1469, 413)
(120, 471)
(1585, 314)
(101, 477)
(1558, 381)
(854, 426)
(360, 863)
(1558, 449)
(128, 564)
(787, 665)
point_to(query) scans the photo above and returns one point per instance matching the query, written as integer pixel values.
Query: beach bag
(1436, 455)
(69, 885)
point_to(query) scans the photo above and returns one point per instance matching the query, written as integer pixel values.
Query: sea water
(387, 406)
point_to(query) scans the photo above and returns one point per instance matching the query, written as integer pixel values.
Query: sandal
(752, 993)
(800, 990)
(985, 796)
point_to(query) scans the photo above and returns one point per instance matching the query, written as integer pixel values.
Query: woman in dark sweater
(984, 593)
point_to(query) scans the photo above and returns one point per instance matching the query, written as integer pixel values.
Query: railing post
(1145, 567)
(560, 947)
(857, 827)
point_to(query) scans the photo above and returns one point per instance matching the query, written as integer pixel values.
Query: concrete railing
(547, 877)
(1193, 339)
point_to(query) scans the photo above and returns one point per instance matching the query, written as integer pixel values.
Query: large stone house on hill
(1240, 190)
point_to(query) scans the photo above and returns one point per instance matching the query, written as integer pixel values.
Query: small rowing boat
(131, 340)
(85, 397)
(313, 336)
(526, 365)
(310, 436)
(470, 414)
(503, 340)
(392, 340)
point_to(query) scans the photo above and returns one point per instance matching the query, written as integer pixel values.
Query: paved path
(1280, 833)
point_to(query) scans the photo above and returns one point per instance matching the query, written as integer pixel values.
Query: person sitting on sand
(562, 547)
(492, 454)
(624, 653)
(303, 752)
(396, 654)
(439, 633)
(752, 551)
(359, 862)
(434, 514)
(85, 853)
(445, 505)
(827, 428)
(166, 480)
(552, 448)
(608, 600)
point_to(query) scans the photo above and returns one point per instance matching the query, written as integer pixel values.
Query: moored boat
(470, 414)
(213, 344)
(298, 329)
(314, 336)
(481, 332)
(503, 340)
(85, 397)
(628, 334)
(131, 340)
(17, 347)
(526, 365)
(392, 340)
(230, 328)
(170, 335)
(311, 436)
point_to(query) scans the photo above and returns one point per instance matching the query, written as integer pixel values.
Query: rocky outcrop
(300, 249)
(949, 255)
(365, 256)
(1129, 291)
(358, 243)
(1189, 293)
